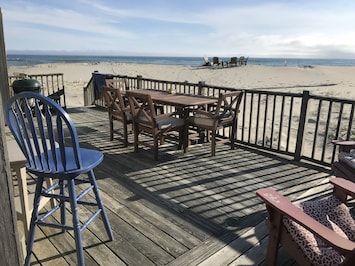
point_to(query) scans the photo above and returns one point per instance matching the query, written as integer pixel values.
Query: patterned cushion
(170, 122)
(332, 213)
(347, 158)
(203, 120)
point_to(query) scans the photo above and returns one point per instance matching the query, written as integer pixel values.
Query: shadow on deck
(185, 209)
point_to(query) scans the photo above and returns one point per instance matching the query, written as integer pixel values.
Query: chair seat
(89, 160)
(330, 212)
(120, 116)
(203, 120)
(170, 122)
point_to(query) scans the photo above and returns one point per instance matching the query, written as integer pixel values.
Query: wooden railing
(301, 125)
(295, 124)
(52, 85)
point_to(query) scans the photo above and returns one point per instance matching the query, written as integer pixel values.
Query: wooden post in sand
(9, 247)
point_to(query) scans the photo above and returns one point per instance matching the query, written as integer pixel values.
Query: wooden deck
(185, 209)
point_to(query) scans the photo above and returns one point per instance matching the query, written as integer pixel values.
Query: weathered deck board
(185, 209)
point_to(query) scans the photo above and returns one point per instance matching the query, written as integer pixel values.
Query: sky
(254, 28)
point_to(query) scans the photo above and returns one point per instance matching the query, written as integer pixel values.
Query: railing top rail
(47, 75)
(31, 75)
(333, 99)
(174, 82)
(292, 94)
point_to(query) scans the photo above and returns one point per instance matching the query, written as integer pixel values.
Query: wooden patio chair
(318, 232)
(118, 110)
(216, 61)
(233, 61)
(146, 119)
(222, 115)
(345, 166)
(243, 61)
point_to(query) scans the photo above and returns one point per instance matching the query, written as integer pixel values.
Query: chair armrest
(344, 145)
(282, 205)
(343, 188)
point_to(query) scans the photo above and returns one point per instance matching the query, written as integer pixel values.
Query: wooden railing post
(139, 82)
(10, 253)
(201, 86)
(4, 82)
(301, 125)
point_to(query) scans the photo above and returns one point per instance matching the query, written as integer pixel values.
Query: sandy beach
(330, 81)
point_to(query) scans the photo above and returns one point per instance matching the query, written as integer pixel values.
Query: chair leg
(49, 183)
(101, 205)
(76, 223)
(32, 230)
(111, 128)
(274, 222)
(62, 203)
(125, 134)
(213, 143)
(136, 133)
(155, 147)
(232, 137)
(183, 139)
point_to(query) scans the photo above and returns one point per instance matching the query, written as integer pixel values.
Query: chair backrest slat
(44, 133)
(114, 101)
(229, 103)
(142, 108)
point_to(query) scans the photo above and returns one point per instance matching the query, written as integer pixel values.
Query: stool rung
(88, 221)
(59, 226)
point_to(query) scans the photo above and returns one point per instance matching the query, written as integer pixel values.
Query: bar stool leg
(101, 206)
(76, 222)
(62, 203)
(31, 234)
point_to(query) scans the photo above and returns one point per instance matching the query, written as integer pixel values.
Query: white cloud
(297, 28)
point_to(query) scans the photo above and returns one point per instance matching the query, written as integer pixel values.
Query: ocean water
(27, 60)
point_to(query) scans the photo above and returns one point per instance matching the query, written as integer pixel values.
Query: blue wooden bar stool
(48, 139)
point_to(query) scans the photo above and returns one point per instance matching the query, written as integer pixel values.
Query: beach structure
(233, 62)
(180, 210)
